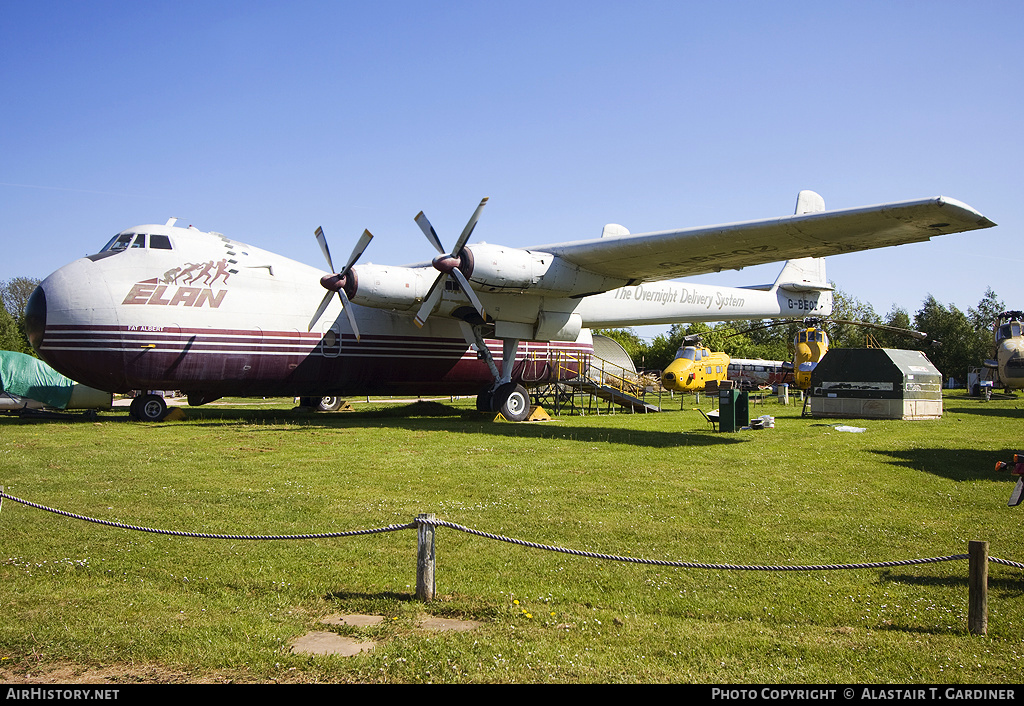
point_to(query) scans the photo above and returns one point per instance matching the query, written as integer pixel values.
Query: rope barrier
(688, 564)
(201, 535)
(509, 540)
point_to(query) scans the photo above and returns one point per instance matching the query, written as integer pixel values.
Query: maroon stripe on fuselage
(256, 363)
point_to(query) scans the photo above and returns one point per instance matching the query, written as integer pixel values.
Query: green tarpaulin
(25, 376)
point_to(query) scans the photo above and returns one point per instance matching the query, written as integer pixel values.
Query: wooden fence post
(425, 558)
(977, 599)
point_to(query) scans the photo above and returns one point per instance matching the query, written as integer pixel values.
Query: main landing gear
(322, 404)
(148, 408)
(504, 397)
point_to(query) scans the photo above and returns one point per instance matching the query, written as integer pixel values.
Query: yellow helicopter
(1008, 331)
(694, 367)
(809, 346)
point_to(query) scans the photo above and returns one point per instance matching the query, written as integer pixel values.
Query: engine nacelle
(384, 287)
(558, 326)
(496, 268)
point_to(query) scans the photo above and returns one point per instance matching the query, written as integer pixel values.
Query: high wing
(646, 257)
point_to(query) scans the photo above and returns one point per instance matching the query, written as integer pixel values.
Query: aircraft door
(330, 343)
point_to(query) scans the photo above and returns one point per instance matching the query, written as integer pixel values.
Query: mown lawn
(85, 601)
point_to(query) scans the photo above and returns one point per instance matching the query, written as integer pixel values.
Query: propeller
(448, 263)
(339, 281)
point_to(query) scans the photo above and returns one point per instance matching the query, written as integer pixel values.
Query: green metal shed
(876, 383)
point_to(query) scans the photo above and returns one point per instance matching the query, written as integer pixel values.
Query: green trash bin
(743, 410)
(733, 410)
(727, 410)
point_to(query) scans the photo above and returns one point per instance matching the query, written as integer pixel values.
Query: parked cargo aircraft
(162, 307)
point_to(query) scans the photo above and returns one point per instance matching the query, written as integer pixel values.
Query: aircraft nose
(70, 321)
(35, 318)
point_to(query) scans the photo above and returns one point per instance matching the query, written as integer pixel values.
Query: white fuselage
(178, 308)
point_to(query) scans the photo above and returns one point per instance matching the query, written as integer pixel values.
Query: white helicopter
(1008, 333)
(162, 307)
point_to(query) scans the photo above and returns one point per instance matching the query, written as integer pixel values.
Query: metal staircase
(580, 383)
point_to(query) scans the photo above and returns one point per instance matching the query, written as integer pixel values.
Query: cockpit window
(119, 242)
(1009, 330)
(123, 241)
(159, 242)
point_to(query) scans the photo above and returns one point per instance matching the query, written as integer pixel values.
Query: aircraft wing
(644, 257)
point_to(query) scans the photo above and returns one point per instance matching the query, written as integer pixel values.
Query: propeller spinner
(339, 281)
(447, 264)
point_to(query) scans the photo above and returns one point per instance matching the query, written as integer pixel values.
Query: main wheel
(483, 400)
(512, 401)
(329, 404)
(149, 408)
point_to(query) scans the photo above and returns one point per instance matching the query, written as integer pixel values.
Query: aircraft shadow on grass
(980, 409)
(955, 464)
(418, 416)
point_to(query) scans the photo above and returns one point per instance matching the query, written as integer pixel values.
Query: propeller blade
(320, 309)
(428, 230)
(346, 306)
(468, 230)
(468, 289)
(357, 251)
(436, 290)
(320, 238)
(433, 297)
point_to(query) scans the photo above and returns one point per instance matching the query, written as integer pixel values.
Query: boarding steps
(573, 375)
(611, 394)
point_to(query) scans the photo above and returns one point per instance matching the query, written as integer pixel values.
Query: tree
(636, 348)
(984, 318)
(848, 307)
(989, 308)
(14, 296)
(663, 348)
(897, 318)
(959, 346)
(770, 340)
(10, 337)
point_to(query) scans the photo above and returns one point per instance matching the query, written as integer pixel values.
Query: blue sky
(264, 120)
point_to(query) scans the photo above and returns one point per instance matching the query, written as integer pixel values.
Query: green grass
(80, 600)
